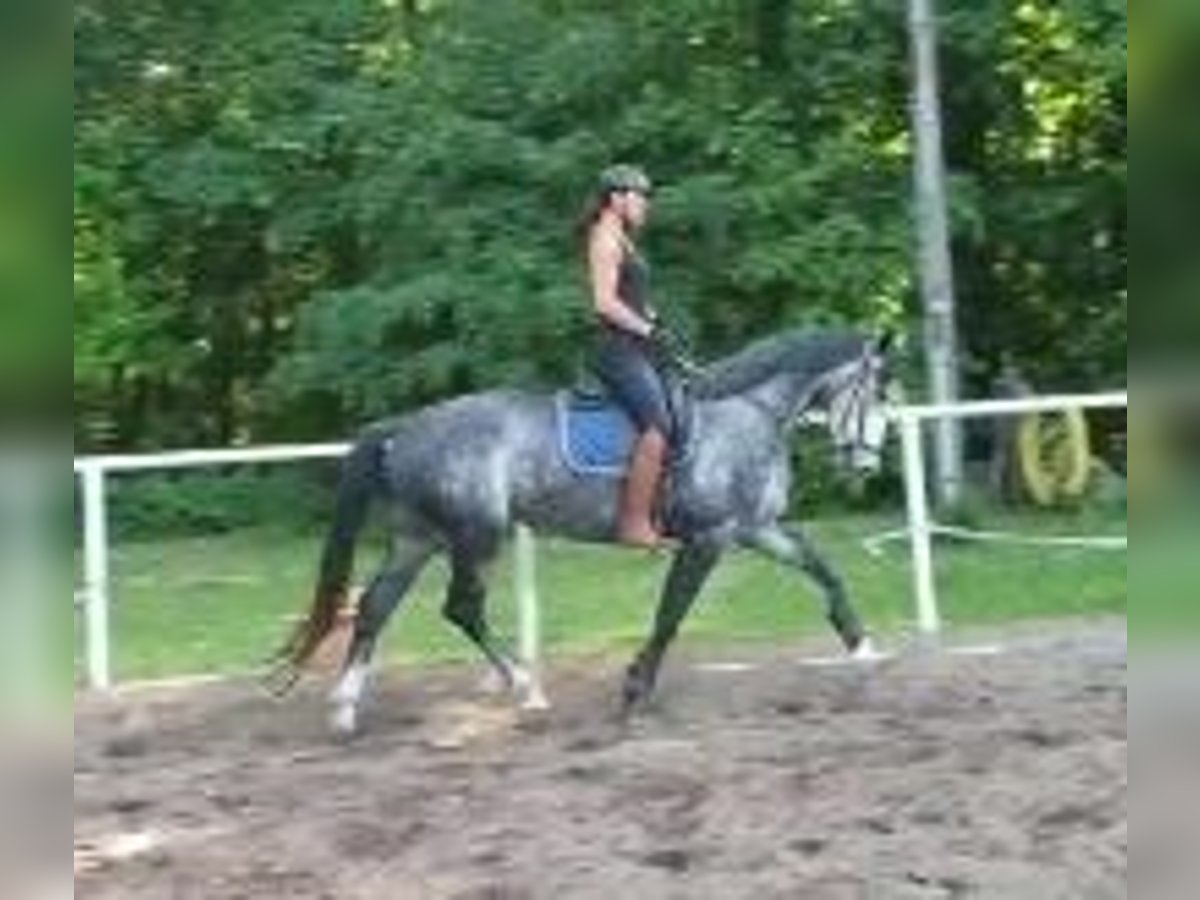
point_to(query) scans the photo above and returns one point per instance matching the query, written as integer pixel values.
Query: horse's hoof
(527, 686)
(343, 722)
(633, 701)
(535, 700)
(867, 652)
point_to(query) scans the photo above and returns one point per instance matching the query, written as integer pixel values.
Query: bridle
(847, 417)
(852, 416)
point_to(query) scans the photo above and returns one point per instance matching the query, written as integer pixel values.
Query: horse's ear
(885, 342)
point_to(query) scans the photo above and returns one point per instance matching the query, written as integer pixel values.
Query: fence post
(95, 574)
(529, 624)
(929, 620)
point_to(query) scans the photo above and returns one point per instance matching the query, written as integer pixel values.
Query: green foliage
(293, 216)
(1036, 98)
(820, 486)
(34, 311)
(154, 507)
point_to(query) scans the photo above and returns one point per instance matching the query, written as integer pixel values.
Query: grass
(221, 604)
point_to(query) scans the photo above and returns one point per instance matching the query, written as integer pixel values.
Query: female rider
(627, 323)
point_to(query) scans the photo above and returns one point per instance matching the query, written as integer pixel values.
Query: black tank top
(633, 282)
(633, 290)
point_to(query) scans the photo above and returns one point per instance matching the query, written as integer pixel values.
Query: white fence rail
(93, 473)
(921, 528)
(96, 596)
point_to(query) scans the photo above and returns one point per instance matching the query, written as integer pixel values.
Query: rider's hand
(667, 342)
(650, 317)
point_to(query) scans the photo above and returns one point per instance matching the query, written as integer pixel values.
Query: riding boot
(642, 482)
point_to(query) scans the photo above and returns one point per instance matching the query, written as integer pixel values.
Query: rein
(856, 385)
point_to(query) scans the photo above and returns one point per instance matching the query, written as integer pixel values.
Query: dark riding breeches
(627, 372)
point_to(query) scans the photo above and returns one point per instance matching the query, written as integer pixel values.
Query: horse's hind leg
(465, 608)
(378, 603)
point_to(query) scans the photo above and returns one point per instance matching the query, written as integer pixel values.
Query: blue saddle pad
(597, 436)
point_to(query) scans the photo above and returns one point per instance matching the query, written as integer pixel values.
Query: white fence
(921, 529)
(93, 472)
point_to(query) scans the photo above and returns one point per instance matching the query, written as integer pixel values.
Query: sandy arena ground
(924, 777)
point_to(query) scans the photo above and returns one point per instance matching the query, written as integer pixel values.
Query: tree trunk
(936, 270)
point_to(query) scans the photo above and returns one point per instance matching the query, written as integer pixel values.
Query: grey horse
(456, 477)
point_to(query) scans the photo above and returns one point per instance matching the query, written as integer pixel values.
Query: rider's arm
(604, 257)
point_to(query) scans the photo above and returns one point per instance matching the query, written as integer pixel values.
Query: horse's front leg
(693, 564)
(789, 545)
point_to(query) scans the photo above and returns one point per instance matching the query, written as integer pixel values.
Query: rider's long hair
(593, 208)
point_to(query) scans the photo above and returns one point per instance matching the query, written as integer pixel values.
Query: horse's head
(838, 372)
(855, 399)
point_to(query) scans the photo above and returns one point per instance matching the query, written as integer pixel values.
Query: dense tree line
(292, 215)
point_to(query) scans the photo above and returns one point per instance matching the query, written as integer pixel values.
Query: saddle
(597, 436)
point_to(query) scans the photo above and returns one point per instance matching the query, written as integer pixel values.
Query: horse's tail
(361, 475)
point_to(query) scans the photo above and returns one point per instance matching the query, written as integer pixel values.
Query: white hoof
(528, 688)
(345, 698)
(867, 652)
(522, 679)
(343, 721)
(535, 699)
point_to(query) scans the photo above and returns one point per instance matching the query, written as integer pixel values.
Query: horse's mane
(799, 350)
